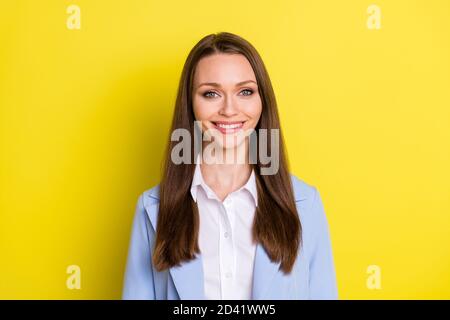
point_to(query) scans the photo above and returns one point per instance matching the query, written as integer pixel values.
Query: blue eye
(249, 92)
(209, 94)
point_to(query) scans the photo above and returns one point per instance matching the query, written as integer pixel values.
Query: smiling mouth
(228, 126)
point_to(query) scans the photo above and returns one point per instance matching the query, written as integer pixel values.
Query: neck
(226, 172)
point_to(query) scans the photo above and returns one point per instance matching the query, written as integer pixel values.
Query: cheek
(201, 109)
(253, 109)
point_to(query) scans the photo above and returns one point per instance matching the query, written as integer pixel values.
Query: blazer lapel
(188, 279)
(263, 272)
(188, 276)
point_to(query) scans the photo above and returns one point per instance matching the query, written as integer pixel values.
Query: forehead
(223, 68)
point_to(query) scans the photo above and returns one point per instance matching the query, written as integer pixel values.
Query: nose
(229, 107)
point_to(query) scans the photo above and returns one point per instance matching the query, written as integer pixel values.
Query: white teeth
(229, 126)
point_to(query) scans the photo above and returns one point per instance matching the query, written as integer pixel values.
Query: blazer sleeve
(138, 279)
(322, 281)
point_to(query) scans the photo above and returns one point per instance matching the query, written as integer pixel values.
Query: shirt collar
(197, 180)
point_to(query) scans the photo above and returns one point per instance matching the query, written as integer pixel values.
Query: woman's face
(226, 98)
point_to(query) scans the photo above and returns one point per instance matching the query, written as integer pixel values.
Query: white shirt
(225, 238)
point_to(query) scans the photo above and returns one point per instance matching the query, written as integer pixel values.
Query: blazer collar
(188, 276)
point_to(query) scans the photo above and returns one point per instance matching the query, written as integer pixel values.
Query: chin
(230, 143)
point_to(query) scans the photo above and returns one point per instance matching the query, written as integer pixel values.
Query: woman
(228, 229)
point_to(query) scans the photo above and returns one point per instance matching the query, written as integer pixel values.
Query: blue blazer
(313, 275)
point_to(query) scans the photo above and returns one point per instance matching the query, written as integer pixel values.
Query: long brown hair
(276, 225)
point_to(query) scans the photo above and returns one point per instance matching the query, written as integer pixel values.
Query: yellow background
(85, 115)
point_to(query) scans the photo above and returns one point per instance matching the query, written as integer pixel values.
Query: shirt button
(225, 234)
(228, 275)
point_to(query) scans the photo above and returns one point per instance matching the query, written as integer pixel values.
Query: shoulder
(147, 205)
(306, 195)
(148, 198)
(309, 203)
(151, 195)
(303, 191)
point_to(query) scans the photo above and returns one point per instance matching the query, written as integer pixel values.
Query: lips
(227, 127)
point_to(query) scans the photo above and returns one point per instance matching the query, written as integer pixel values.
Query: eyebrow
(215, 84)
